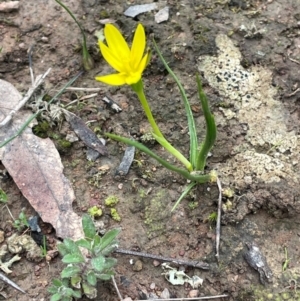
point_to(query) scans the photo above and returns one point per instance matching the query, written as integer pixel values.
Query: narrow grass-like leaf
(185, 192)
(211, 129)
(188, 110)
(177, 154)
(166, 164)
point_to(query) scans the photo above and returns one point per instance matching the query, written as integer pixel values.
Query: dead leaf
(87, 136)
(36, 168)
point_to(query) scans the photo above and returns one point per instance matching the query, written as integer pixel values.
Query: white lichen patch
(249, 95)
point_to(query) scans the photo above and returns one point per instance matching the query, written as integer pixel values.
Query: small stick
(38, 82)
(189, 299)
(193, 263)
(11, 283)
(116, 287)
(84, 89)
(218, 227)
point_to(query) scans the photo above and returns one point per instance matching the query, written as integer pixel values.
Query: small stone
(165, 294)
(152, 286)
(193, 293)
(2, 236)
(181, 253)
(138, 266)
(156, 263)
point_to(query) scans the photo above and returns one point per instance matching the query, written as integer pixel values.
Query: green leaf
(55, 297)
(109, 263)
(91, 278)
(90, 292)
(104, 276)
(108, 250)
(211, 129)
(77, 294)
(70, 271)
(71, 246)
(57, 282)
(3, 196)
(68, 292)
(109, 237)
(185, 192)
(63, 250)
(76, 281)
(52, 289)
(188, 110)
(98, 263)
(84, 244)
(88, 226)
(73, 258)
(143, 148)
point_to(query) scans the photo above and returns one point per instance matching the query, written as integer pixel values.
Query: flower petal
(143, 63)
(138, 46)
(112, 79)
(110, 57)
(133, 78)
(116, 42)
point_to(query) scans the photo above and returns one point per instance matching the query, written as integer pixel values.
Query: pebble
(165, 294)
(156, 263)
(138, 266)
(193, 293)
(152, 286)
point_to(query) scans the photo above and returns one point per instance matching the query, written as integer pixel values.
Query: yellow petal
(143, 63)
(133, 78)
(112, 79)
(115, 41)
(110, 57)
(138, 46)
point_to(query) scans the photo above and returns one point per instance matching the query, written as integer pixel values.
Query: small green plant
(212, 218)
(3, 196)
(286, 260)
(21, 222)
(88, 62)
(130, 63)
(86, 261)
(44, 247)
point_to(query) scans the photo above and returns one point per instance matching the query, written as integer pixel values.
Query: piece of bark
(86, 135)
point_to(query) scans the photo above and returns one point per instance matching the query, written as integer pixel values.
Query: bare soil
(248, 55)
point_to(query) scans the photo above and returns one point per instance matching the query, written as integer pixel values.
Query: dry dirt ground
(248, 55)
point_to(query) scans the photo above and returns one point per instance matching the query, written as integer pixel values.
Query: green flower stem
(199, 178)
(139, 90)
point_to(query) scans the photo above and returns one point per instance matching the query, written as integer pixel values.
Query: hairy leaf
(70, 271)
(88, 226)
(73, 258)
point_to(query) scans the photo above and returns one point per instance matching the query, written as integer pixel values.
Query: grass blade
(184, 193)
(190, 117)
(166, 164)
(211, 129)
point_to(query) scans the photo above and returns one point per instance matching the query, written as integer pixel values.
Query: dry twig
(190, 299)
(193, 263)
(218, 227)
(39, 80)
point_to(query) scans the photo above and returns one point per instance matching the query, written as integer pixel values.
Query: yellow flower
(130, 63)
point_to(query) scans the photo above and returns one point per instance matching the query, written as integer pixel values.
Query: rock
(138, 266)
